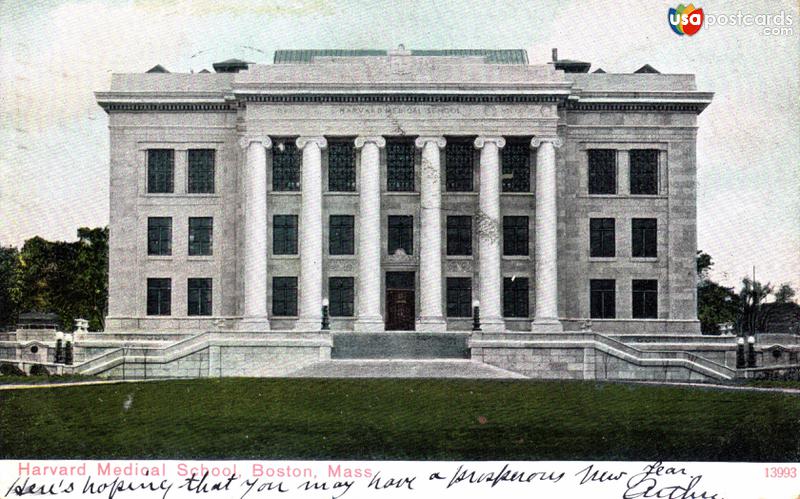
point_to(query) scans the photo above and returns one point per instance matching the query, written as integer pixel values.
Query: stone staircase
(397, 368)
(401, 345)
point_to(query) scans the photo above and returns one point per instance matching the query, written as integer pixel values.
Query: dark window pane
(515, 235)
(644, 171)
(401, 234)
(286, 161)
(644, 299)
(341, 167)
(284, 234)
(399, 166)
(459, 235)
(160, 170)
(159, 296)
(602, 237)
(201, 171)
(602, 297)
(201, 236)
(602, 171)
(341, 235)
(341, 294)
(459, 297)
(284, 296)
(516, 167)
(644, 238)
(515, 297)
(199, 290)
(159, 236)
(458, 162)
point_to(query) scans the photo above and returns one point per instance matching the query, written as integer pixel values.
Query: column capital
(556, 141)
(321, 142)
(245, 142)
(500, 142)
(439, 141)
(378, 140)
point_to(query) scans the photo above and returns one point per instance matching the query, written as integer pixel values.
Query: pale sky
(54, 55)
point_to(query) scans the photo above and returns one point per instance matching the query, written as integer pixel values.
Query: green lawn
(398, 419)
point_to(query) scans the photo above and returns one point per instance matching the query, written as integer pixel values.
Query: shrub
(11, 370)
(39, 370)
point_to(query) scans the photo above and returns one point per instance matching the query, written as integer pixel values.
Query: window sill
(200, 258)
(341, 193)
(285, 257)
(516, 257)
(459, 257)
(400, 193)
(285, 317)
(460, 193)
(178, 195)
(342, 257)
(623, 196)
(517, 194)
(284, 193)
(644, 259)
(160, 258)
(602, 258)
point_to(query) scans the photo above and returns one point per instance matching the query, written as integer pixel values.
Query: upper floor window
(201, 236)
(341, 167)
(459, 297)
(459, 235)
(516, 167)
(644, 171)
(515, 297)
(160, 171)
(340, 290)
(286, 161)
(602, 171)
(401, 234)
(284, 234)
(602, 299)
(159, 296)
(458, 166)
(515, 235)
(644, 299)
(341, 235)
(199, 293)
(602, 237)
(399, 166)
(284, 296)
(159, 236)
(201, 171)
(644, 237)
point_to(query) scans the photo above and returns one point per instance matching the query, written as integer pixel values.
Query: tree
(716, 304)
(785, 293)
(752, 297)
(9, 257)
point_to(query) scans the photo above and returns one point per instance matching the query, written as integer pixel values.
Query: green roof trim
(505, 56)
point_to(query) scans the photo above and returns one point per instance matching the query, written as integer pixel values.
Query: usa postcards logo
(685, 20)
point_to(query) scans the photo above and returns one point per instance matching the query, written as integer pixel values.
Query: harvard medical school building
(401, 187)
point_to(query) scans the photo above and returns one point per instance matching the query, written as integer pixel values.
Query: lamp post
(68, 349)
(740, 363)
(59, 347)
(751, 351)
(326, 321)
(476, 315)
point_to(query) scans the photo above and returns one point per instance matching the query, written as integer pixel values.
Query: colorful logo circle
(685, 19)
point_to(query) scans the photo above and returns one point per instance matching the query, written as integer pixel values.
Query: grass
(398, 419)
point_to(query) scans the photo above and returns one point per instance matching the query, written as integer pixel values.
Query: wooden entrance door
(400, 301)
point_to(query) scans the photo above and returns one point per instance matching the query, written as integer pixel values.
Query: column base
(308, 324)
(369, 325)
(493, 325)
(432, 324)
(258, 324)
(546, 325)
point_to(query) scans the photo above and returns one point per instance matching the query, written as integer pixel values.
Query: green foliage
(716, 304)
(9, 257)
(785, 293)
(752, 296)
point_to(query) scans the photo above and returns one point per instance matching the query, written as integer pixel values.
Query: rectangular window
(515, 297)
(159, 236)
(341, 235)
(201, 236)
(602, 171)
(284, 296)
(644, 171)
(201, 171)
(401, 234)
(199, 290)
(340, 290)
(160, 171)
(644, 238)
(644, 299)
(602, 237)
(459, 297)
(286, 161)
(159, 296)
(399, 166)
(459, 235)
(517, 167)
(341, 167)
(602, 298)
(284, 234)
(515, 235)
(458, 166)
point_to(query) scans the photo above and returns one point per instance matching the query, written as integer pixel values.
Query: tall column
(255, 234)
(490, 233)
(369, 236)
(310, 285)
(546, 313)
(431, 316)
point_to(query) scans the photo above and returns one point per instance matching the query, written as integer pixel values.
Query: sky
(54, 55)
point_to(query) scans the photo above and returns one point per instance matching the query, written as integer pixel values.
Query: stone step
(400, 345)
(397, 368)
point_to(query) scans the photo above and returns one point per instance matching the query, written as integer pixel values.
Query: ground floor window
(459, 296)
(159, 296)
(602, 299)
(284, 296)
(340, 290)
(515, 297)
(644, 298)
(199, 292)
